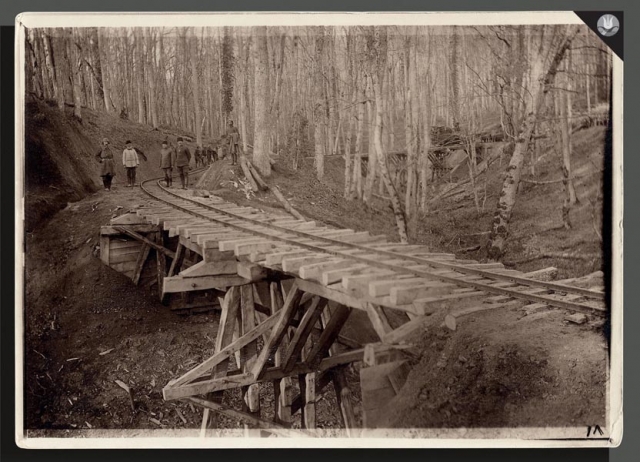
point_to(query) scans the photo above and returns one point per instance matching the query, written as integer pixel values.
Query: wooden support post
(329, 334)
(279, 331)
(162, 264)
(176, 264)
(308, 391)
(378, 319)
(247, 311)
(142, 258)
(309, 319)
(341, 386)
(282, 387)
(228, 319)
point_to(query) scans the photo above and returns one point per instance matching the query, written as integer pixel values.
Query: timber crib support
(286, 290)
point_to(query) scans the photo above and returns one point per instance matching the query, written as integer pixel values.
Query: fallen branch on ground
(256, 179)
(285, 203)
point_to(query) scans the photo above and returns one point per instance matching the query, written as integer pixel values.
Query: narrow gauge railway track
(256, 226)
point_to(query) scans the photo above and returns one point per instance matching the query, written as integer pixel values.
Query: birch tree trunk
(378, 55)
(565, 130)
(261, 109)
(318, 113)
(541, 80)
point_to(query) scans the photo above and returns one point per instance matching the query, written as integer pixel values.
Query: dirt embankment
(60, 163)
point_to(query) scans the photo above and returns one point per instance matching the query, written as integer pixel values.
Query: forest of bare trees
(377, 97)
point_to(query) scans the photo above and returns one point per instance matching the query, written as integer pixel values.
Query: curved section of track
(495, 282)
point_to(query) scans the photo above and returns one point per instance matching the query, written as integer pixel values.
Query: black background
(630, 448)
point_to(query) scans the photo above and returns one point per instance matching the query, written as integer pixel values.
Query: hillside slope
(60, 164)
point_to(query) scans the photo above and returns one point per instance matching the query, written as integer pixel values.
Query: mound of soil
(541, 371)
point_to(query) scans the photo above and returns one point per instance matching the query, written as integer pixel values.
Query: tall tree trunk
(455, 77)
(139, 77)
(565, 130)
(152, 74)
(378, 54)
(96, 63)
(372, 160)
(261, 109)
(74, 66)
(51, 60)
(541, 80)
(196, 87)
(319, 114)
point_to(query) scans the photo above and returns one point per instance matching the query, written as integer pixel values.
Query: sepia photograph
(366, 229)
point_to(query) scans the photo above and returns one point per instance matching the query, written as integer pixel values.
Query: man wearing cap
(130, 161)
(107, 166)
(183, 157)
(167, 162)
(233, 138)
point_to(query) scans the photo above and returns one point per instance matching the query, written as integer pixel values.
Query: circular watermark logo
(608, 25)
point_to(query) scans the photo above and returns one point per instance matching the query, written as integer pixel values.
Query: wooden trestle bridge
(286, 289)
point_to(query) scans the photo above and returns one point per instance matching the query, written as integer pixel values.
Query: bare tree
(261, 114)
(544, 55)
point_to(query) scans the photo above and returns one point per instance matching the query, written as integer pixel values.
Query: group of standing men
(130, 161)
(170, 157)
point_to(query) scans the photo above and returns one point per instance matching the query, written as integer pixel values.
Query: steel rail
(576, 306)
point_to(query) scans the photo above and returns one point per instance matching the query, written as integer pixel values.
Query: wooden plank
(214, 255)
(252, 392)
(123, 258)
(404, 295)
(228, 318)
(116, 230)
(142, 258)
(269, 374)
(314, 271)
(379, 320)
(282, 387)
(231, 244)
(384, 286)
(147, 241)
(247, 249)
(311, 316)
(405, 330)
(115, 243)
(177, 284)
(161, 265)
(331, 294)
(329, 334)
(451, 320)
(250, 271)
(335, 275)
(277, 334)
(308, 390)
(205, 268)
(292, 264)
(345, 401)
(125, 250)
(276, 258)
(128, 218)
(225, 353)
(178, 258)
(249, 419)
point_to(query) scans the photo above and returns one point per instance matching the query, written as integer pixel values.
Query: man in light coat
(130, 161)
